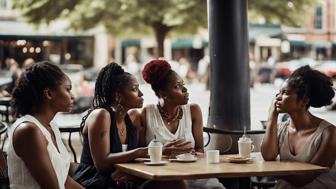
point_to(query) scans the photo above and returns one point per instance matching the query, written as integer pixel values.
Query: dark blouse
(87, 174)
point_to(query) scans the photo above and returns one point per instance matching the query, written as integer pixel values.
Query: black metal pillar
(228, 42)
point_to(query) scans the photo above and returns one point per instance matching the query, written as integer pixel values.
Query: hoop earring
(117, 107)
(162, 101)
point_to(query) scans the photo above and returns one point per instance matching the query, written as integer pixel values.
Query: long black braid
(27, 96)
(110, 80)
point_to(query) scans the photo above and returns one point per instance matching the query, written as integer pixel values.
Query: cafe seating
(5, 108)
(3, 131)
(229, 139)
(4, 181)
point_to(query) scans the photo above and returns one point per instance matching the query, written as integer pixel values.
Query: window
(318, 18)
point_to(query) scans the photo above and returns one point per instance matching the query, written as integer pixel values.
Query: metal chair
(4, 181)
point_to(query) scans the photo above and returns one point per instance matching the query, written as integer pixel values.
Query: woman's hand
(141, 152)
(272, 112)
(178, 146)
(121, 177)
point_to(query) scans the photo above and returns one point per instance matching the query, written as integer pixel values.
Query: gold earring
(117, 107)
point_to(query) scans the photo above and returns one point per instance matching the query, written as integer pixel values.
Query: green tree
(121, 17)
(137, 17)
(287, 12)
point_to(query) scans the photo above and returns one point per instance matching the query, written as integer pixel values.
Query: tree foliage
(287, 12)
(158, 17)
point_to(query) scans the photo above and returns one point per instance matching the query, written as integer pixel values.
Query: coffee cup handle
(252, 147)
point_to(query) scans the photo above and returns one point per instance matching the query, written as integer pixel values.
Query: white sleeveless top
(156, 126)
(19, 175)
(324, 180)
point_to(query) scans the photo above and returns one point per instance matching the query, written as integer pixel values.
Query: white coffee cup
(212, 156)
(124, 147)
(155, 151)
(245, 147)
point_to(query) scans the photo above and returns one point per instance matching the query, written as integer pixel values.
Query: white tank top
(156, 126)
(19, 175)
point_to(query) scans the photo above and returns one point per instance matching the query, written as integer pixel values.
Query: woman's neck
(170, 109)
(304, 120)
(120, 116)
(44, 116)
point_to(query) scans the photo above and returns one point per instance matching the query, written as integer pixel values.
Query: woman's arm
(270, 144)
(323, 157)
(72, 184)
(98, 124)
(197, 127)
(143, 127)
(31, 146)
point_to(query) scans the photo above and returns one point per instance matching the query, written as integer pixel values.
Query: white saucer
(156, 163)
(184, 160)
(239, 160)
(142, 159)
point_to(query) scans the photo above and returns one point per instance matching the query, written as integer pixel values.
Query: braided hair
(157, 73)
(28, 93)
(110, 80)
(313, 85)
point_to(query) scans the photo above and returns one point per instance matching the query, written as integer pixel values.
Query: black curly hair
(28, 93)
(312, 84)
(110, 80)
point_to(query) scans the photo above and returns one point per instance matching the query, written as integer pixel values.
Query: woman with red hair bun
(174, 122)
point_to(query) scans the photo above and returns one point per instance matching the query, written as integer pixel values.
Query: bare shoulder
(143, 112)
(27, 135)
(195, 108)
(26, 130)
(99, 113)
(98, 118)
(134, 114)
(329, 132)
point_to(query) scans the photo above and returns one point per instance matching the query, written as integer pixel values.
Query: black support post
(229, 71)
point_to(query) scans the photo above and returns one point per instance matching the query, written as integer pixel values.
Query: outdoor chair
(4, 181)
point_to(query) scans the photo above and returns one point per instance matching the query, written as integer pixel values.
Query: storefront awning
(319, 44)
(267, 30)
(185, 43)
(299, 43)
(130, 43)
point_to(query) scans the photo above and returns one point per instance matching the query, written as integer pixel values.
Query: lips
(186, 96)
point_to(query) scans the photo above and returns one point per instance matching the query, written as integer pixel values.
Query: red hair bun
(155, 71)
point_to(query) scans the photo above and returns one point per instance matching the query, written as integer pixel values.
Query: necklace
(121, 131)
(170, 118)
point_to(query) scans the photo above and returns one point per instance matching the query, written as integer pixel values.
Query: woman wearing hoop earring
(108, 128)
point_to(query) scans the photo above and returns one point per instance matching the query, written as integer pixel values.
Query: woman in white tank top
(37, 158)
(174, 122)
(304, 137)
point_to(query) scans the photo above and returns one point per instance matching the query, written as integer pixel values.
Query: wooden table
(200, 169)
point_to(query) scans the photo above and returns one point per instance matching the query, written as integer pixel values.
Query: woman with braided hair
(304, 137)
(37, 158)
(107, 127)
(174, 122)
